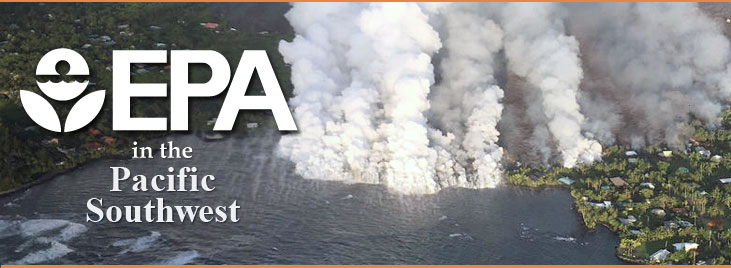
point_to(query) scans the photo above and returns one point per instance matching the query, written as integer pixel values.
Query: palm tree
(702, 201)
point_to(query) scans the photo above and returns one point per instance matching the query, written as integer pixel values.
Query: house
(670, 225)
(660, 255)
(625, 222)
(725, 180)
(680, 210)
(626, 203)
(685, 224)
(630, 153)
(209, 25)
(603, 205)
(53, 141)
(704, 153)
(618, 182)
(648, 185)
(564, 180)
(628, 221)
(94, 132)
(715, 224)
(658, 211)
(685, 246)
(109, 140)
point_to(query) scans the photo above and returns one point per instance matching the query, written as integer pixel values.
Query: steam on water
(369, 110)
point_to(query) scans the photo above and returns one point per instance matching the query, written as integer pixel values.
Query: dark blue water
(288, 220)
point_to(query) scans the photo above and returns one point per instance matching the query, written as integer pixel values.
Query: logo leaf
(84, 111)
(40, 111)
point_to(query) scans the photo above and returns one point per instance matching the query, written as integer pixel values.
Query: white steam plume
(403, 43)
(368, 110)
(467, 102)
(371, 127)
(538, 49)
(319, 74)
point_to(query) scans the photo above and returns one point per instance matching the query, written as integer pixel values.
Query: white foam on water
(4, 225)
(180, 259)
(46, 234)
(35, 227)
(56, 251)
(565, 239)
(137, 244)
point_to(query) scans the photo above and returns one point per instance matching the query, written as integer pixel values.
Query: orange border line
(285, 1)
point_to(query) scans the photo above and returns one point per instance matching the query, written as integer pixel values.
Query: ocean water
(288, 220)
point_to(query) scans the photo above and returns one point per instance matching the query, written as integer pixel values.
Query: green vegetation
(666, 200)
(28, 31)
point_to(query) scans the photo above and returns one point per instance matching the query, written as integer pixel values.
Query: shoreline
(583, 223)
(48, 176)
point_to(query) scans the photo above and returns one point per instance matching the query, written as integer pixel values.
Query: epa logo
(181, 90)
(43, 113)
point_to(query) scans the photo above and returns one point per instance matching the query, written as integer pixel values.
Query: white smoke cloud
(664, 62)
(538, 49)
(371, 126)
(319, 75)
(369, 111)
(363, 74)
(467, 102)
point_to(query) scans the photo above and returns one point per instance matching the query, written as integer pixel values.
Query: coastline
(48, 176)
(581, 219)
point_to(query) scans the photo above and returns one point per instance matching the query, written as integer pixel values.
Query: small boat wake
(536, 235)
